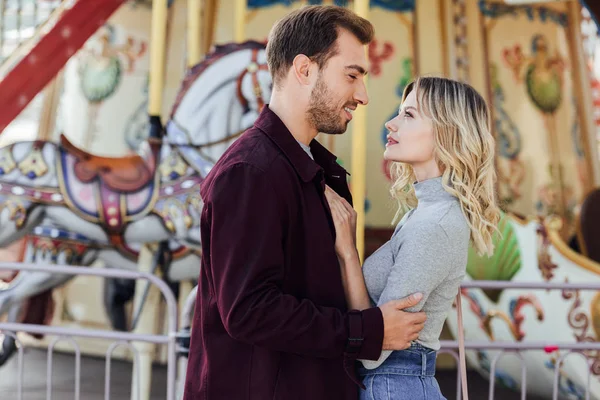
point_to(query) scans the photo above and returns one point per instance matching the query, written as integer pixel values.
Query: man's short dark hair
(312, 31)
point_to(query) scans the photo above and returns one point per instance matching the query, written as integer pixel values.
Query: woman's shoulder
(454, 222)
(445, 219)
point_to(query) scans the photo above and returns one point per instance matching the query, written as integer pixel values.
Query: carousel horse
(78, 207)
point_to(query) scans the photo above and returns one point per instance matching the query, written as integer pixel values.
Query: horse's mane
(217, 53)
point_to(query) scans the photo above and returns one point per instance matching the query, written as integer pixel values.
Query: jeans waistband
(417, 360)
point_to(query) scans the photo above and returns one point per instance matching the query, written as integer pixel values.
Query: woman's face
(410, 137)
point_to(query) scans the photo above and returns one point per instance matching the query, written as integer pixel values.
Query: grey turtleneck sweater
(428, 254)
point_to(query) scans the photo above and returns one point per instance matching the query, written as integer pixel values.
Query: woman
(443, 165)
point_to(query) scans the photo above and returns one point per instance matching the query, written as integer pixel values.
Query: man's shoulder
(253, 149)
(254, 152)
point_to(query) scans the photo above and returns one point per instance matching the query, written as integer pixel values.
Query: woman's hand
(344, 219)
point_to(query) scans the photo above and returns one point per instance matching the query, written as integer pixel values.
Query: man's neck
(293, 117)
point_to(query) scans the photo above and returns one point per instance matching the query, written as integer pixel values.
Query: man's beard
(322, 113)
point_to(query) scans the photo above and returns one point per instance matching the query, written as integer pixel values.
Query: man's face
(340, 87)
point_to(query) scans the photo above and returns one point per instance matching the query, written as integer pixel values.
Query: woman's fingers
(332, 194)
(340, 208)
(348, 206)
(337, 214)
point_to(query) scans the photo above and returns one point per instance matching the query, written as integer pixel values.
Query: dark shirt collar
(270, 124)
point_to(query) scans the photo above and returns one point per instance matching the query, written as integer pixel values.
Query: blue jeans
(404, 375)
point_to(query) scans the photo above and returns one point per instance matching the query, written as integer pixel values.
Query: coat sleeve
(243, 229)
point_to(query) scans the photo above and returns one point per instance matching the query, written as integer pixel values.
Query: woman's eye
(353, 77)
(407, 114)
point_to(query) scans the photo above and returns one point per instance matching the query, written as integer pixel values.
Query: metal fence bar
(528, 285)
(458, 381)
(493, 375)
(77, 366)
(136, 360)
(169, 339)
(90, 333)
(557, 375)
(19, 363)
(530, 345)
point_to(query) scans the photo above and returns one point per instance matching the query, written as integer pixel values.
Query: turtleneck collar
(431, 191)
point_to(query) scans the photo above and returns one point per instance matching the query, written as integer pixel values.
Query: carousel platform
(92, 380)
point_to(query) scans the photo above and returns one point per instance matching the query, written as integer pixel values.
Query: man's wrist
(372, 342)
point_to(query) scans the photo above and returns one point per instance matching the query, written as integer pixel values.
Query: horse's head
(221, 97)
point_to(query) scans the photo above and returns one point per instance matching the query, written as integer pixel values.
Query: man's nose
(361, 96)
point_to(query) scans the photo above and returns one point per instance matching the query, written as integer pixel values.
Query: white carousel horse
(532, 251)
(79, 207)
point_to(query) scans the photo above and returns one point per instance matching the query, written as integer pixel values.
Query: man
(271, 319)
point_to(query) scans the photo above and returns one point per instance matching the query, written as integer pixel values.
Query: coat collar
(272, 126)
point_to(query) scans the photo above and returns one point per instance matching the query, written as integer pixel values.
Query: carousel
(114, 112)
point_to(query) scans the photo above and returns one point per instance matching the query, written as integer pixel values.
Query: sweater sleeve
(422, 261)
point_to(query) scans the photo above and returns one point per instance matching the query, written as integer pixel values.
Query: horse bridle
(252, 69)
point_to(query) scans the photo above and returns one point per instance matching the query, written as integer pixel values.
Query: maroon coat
(271, 319)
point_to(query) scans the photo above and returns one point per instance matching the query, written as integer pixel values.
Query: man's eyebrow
(358, 68)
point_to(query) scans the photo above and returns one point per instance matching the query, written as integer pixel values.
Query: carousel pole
(157, 56)
(583, 95)
(148, 320)
(193, 57)
(49, 108)
(359, 154)
(241, 7)
(194, 32)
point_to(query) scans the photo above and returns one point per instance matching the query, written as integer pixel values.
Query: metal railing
(126, 338)
(451, 346)
(118, 338)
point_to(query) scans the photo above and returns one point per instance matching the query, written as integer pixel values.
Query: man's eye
(353, 77)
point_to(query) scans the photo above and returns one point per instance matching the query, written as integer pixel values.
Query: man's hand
(401, 327)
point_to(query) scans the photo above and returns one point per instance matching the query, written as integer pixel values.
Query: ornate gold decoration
(172, 210)
(17, 211)
(7, 162)
(173, 166)
(33, 166)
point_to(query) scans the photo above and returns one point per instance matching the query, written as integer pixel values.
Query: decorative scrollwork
(579, 321)
(545, 264)
(514, 321)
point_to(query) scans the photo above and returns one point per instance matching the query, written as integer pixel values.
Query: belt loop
(423, 363)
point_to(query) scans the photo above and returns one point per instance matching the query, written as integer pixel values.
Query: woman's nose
(391, 126)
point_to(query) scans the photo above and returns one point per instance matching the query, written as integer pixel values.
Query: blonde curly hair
(464, 150)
